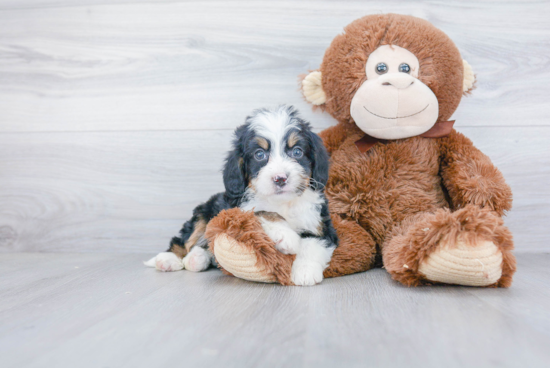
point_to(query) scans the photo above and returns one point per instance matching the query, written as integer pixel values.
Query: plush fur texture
(246, 229)
(403, 198)
(359, 253)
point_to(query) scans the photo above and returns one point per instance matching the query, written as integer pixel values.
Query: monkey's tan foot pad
(239, 260)
(478, 264)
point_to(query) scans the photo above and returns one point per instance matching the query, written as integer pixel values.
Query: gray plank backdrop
(115, 115)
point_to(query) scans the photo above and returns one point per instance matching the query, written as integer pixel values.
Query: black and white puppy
(277, 168)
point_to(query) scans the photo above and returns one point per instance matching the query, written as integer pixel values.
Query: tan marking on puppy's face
(200, 228)
(293, 139)
(305, 182)
(252, 184)
(262, 142)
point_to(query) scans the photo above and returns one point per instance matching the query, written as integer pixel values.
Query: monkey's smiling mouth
(397, 117)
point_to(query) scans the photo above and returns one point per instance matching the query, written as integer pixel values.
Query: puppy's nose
(280, 180)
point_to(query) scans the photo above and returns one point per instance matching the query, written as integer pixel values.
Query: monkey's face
(393, 103)
(394, 76)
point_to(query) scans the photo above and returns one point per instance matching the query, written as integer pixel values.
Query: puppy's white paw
(167, 262)
(289, 243)
(306, 273)
(197, 260)
(286, 240)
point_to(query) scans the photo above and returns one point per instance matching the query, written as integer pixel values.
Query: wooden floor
(107, 310)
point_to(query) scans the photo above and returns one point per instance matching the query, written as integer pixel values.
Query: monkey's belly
(377, 193)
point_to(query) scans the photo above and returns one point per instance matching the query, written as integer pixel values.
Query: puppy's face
(279, 155)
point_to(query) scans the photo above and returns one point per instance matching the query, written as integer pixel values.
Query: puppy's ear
(320, 159)
(233, 171)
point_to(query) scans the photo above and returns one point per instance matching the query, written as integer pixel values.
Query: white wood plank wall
(115, 115)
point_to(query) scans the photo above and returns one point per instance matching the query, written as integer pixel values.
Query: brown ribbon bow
(440, 129)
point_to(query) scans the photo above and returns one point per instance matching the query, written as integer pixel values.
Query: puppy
(277, 168)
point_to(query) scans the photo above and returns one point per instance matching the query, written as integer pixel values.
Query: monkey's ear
(312, 88)
(468, 85)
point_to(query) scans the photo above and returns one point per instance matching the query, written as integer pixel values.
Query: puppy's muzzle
(280, 180)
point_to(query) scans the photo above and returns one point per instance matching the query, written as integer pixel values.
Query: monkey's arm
(333, 137)
(470, 177)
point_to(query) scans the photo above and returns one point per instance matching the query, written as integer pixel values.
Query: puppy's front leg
(312, 259)
(287, 241)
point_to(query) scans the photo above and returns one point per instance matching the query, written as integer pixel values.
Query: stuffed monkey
(406, 191)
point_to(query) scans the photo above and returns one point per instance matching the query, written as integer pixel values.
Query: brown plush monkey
(404, 187)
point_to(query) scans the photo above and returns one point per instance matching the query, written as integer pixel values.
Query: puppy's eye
(297, 152)
(260, 155)
(381, 68)
(404, 68)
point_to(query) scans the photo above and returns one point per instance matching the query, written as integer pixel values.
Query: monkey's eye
(381, 68)
(260, 155)
(404, 68)
(297, 152)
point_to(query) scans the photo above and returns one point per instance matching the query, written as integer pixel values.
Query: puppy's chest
(302, 214)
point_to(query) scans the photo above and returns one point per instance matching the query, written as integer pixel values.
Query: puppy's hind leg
(199, 258)
(170, 260)
(182, 253)
(165, 262)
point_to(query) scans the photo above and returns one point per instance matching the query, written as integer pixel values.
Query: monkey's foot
(239, 261)
(477, 264)
(243, 249)
(470, 246)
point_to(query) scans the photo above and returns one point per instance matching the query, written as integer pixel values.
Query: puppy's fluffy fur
(277, 168)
